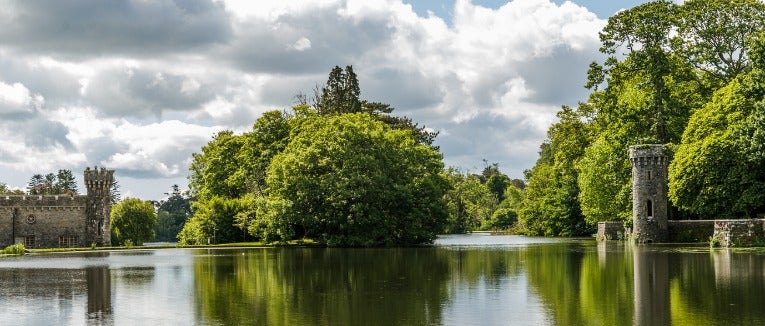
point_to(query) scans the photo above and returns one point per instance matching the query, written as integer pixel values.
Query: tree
(644, 32)
(213, 222)
(719, 168)
(470, 203)
(213, 170)
(62, 182)
(65, 182)
(36, 185)
(133, 220)
(550, 204)
(506, 214)
(269, 136)
(172, 214)
(229, 178)
(712, 36)
(341, 93)
(349, 180)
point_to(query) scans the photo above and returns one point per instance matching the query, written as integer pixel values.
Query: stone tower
(649, 193)
(98, 183)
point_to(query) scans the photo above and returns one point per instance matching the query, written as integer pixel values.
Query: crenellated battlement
(98, 178)
(60, 220)
(43, 200)
(647, 155)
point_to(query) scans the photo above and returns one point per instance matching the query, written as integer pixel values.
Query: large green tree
(719, 168)
(213, 222)
(351, 180)
(229, 176)
(550, 205)
(133, 220)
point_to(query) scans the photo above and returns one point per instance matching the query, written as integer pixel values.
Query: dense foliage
(133, 222)
(550, 206)
(664, 63)
(719, 168)
(352, 180)
(172, 214)
(486, 201)
(343, 172)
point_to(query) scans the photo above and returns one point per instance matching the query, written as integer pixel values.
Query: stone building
(45, 221)
(650, 204)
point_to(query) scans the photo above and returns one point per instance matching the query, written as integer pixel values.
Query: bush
(16, 249)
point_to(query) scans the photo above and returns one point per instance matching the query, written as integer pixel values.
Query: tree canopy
(719, 168)
(352, 180)
(133, 221)
(257, 184)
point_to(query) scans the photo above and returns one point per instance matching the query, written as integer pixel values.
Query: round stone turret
(98, 183)
(649, 193)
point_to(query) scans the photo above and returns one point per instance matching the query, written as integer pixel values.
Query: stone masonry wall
(690, 230)
(46, 218)
(610, 230)
(739, 233)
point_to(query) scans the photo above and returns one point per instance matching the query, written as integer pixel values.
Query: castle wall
(61, 220)
(43, 221)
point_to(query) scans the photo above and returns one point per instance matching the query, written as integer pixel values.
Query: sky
(138, 86)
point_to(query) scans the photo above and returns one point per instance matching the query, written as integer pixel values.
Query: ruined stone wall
(610, 231)
(43, 221)
(739, 233)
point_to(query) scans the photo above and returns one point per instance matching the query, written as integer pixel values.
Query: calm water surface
(463, 280)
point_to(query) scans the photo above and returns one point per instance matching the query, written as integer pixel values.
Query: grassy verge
(296, 243)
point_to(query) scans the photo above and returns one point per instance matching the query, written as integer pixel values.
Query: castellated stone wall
(63, 220)
(43, 221)
(650, 205)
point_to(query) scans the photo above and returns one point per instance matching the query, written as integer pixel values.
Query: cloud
(137, 92)
(82, 29)
(15, 99)
(141, 85)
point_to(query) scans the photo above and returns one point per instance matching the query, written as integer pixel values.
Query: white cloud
(15, 98)
(301, 44)
(141, 94)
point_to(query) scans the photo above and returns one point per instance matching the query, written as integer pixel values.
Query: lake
(463, 280)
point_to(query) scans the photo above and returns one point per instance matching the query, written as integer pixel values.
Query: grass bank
(252, 244)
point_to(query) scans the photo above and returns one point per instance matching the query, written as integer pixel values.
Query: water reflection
(99, 292)
(322, 287)
(651, 281)
(488, 281)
